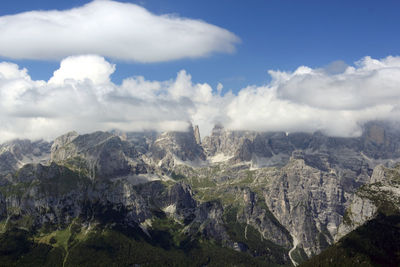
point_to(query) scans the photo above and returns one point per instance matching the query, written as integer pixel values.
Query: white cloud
(316, 99)
(371, 81)
(80, 68)
(80, 96)
(112, 29)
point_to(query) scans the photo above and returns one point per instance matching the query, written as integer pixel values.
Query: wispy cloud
(112, 29)
(80, 96)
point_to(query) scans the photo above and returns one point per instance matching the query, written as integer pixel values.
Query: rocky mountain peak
(218, 128)
(16, 153)
(64, 139)
(101, 154)
(376, 134)
(197, 134)
(171, 147)
(381, 139)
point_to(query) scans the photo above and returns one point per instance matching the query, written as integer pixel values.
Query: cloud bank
(80, 96)
(112, 29)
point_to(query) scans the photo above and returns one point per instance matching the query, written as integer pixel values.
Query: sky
(139, 65)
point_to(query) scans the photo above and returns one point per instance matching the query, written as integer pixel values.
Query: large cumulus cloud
(112, 29)
(317, 100)
(81, 96)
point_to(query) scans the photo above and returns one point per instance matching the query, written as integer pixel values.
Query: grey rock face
(209, 222)
(244, 152)
(44, 193)
(8, 162)
(59, 149)
(381, 140)
(360, 211)
(17, 153)
(103, 155)
(224, 142)
(381, 194)
(142, 141)
(307, 202)
(197, 134)
(312, 192)
(263, 221)
(172, 146)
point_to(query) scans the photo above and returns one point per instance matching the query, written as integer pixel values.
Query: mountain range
(237, 198)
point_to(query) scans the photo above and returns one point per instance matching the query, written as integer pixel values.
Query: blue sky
(279, 35)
